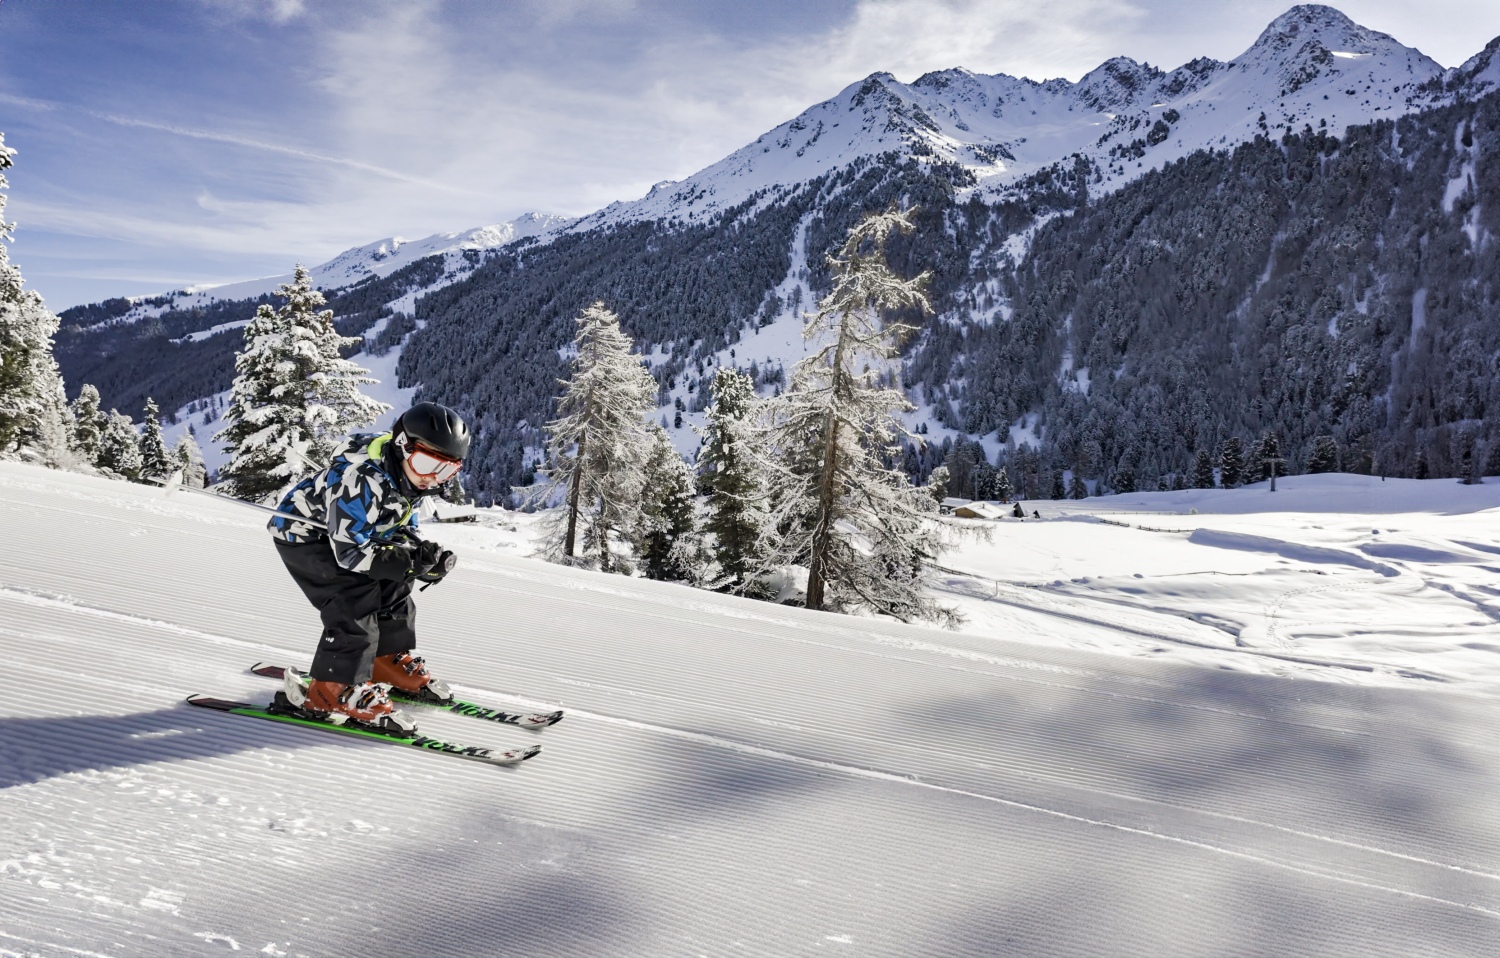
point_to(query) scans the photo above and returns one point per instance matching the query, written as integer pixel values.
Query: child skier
(349, 540)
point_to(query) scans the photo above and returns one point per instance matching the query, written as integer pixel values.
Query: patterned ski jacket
(356, 506)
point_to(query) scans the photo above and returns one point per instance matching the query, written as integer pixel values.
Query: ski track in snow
(731, 778)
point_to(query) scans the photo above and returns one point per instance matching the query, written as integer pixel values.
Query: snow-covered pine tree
(733, 479)
(336, 406)
(265, 433)
(88, 424)
(1325, 455)
(664, 533)
(1059, 491)
(189, 458)
(1078, 489)
(156, 462)
(983, 481)
(119, 446)
(1265, 449)
(1203, 471)
(1232, 462)
(937, 484)
(33, 410)
(1003, 487)
(864, 531)
(598, 444)
(293, 397)
(455, 492)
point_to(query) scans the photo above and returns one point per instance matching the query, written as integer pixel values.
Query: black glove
(392, 562)
(433, 563)
(424, 557)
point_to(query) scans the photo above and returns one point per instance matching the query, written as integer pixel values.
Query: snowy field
(1266, 728)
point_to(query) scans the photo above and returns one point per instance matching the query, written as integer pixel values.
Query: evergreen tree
(88, 424)
(733, 479)
(156, 462)
(1203, 471)
(1003, 487)
(984, 479)
(1255, 463)
(33, 410)
(1077, 489)
(1059, 491)
(1232, 462)
(664, 530)
(1264, 449)
(1325, 455)
(863, 530)
(962, 461)
(187, 457)
(336, 406)
(294, 396)
(937, 484)
(119, 447)
(456, 492)
(598, 445)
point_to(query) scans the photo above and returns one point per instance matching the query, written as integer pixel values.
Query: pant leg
(398, 618)
(349, 604)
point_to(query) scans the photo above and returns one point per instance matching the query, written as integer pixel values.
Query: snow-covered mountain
(1311, 66)
(378, 259)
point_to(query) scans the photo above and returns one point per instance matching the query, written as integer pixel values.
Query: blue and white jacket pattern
(355, 500)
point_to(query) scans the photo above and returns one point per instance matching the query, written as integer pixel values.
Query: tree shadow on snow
(1266, 817)
(595, 891)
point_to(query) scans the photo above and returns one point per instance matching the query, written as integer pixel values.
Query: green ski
(488, 756)
(532, 720)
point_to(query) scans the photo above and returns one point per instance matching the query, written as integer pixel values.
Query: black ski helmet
(435, 426)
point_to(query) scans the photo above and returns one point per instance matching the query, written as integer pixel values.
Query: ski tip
(209, 702)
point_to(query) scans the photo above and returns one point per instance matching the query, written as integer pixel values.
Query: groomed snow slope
(732, 778)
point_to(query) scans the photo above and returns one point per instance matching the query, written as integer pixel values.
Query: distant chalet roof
(964, 509)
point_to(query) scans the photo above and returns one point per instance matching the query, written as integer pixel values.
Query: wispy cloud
(237, 140)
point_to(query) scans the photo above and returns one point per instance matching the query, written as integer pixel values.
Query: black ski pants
(362, 617)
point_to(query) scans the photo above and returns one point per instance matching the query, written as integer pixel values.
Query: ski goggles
(430, 465)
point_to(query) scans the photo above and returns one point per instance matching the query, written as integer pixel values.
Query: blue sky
(168, 142)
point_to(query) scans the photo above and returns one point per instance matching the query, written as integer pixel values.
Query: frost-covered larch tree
(665, 529)
(156, 461)
(33, 410)
(864, 532)
(598, 445)
(733, 477)
(294, 395)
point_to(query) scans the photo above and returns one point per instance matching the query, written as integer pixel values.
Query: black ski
(531, 720)
(488, 756)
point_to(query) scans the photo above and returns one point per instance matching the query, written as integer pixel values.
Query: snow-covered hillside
(739, 778)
